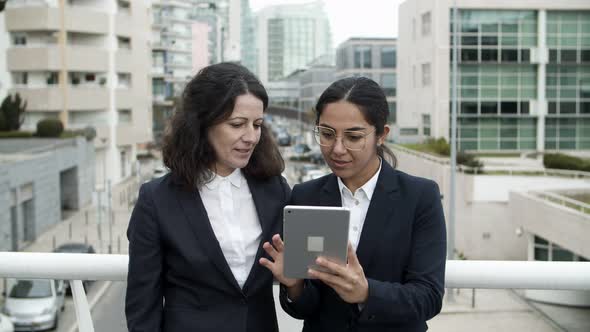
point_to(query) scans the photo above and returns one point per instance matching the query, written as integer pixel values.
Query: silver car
(34, 304)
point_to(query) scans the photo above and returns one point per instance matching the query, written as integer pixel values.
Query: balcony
(78, 58)
(88, 97)
(124, 61)
(123, 24)
(124, 98)
(459, 274)
(42, 98)
(126, 134)
(38, 18)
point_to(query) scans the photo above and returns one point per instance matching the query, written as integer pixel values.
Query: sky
(377, 18)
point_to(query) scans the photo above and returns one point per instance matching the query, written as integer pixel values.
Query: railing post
(81, 306)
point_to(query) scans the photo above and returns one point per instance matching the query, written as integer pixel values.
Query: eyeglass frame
(363, 134)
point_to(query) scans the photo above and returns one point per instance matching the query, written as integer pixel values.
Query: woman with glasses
(394, 277)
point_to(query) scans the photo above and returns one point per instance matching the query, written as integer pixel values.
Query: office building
(374, 58)
(523, 73)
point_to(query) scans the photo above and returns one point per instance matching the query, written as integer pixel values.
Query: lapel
(330, 194)
(263, 206)
(197, 218)
(383, 203)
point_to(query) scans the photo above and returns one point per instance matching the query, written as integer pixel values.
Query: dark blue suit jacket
(178, 277)
(402, 251)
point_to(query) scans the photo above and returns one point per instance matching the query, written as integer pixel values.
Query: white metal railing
(459, 274)
(563, 200)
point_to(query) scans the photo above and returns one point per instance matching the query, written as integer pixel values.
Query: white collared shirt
(358, 203)
(234, 220)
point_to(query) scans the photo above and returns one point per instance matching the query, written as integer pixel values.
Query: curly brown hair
(207, 100)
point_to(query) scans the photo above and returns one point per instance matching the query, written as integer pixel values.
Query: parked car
(301, 149)
(5, 324)
(283, 138)
(76, 248)
(34, 304)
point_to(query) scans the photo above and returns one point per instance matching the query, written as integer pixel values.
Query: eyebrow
(243, 118)
(347, 129)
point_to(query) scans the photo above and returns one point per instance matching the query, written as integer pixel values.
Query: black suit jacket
(178, 277)
(402, 251)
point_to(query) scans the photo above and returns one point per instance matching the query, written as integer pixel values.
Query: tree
(13, 110)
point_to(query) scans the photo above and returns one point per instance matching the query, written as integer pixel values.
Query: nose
(338, 147)
(251, 135)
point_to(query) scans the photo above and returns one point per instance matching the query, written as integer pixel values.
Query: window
(124, 116)
(52, 78)
(19, 39)
(124, 43)
(362, 57)
(426, 124)
(426, 24)
(408, 131)
(124, 80)
(425, 74)
(388, 57)
(388, 84)
(392, 112)
(123, 163)
(20, 78)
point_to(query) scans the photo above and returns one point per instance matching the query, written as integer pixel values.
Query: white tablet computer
(312, 231)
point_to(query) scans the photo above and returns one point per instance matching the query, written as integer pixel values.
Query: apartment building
(288, 37)
(376, 59)
(87, 63)
(523, 73)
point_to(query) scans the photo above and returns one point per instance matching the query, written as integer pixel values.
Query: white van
(34, 304)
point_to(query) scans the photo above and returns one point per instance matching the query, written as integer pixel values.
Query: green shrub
(468, 160)
(3, 122)
(49, 128)
(13, 109)
(562, 161)
(439, 146)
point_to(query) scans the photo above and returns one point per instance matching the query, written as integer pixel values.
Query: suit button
(244, 301)
(372, 317)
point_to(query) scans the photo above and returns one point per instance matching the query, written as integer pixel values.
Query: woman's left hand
(348, 280)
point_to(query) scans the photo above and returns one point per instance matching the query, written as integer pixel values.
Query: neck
(360, 179)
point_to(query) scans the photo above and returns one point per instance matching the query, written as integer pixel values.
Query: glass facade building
(499, 83)
(374, 58)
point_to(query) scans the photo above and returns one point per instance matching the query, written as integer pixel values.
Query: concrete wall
(564, 226)
(42, 171)
(483, 229)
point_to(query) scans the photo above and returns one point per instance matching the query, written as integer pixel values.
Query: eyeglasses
(352, 140)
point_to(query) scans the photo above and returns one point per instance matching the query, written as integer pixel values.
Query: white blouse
(234, 220)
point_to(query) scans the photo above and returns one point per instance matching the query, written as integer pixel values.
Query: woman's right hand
(276, 266)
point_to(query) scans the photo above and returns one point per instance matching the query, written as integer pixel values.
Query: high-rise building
(523, 73)
(289, 37)
(374, 58)
(86, 63)
(187, 35)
